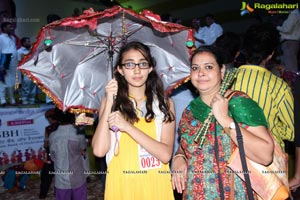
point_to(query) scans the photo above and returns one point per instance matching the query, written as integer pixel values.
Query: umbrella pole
(111, 55)
(115, 129)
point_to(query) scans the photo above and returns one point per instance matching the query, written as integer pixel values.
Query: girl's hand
(117, 119)
(111, 90)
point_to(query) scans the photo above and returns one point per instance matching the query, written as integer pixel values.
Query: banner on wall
(22, 134)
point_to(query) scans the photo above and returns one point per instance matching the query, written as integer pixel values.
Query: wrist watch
(231, 126)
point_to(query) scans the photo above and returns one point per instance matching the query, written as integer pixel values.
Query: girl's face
(206, 74)
(135, 68)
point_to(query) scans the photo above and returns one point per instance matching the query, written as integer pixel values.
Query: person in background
(15, 179)
(271, 93)
(76, 12)
(143, 119)
(166, 17)
(199, 32)
(52, 17)
(8, 14)
(295, 180)
(202, 172)
(177, 21)
(67, 150)
(46, 176)
(211, 33)
(28, 87)
(8, 63)
(230, 44)
(100, 163)
(290, 40)
(181, 98)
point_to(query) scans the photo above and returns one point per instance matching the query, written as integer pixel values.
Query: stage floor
(32, 190)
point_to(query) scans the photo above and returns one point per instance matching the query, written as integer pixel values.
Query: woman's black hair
(213, 50)
(154, 87)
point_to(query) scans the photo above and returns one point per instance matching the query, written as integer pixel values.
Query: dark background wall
(31, 14)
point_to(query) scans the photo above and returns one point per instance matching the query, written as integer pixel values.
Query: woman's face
(206, 74)
(136, 76)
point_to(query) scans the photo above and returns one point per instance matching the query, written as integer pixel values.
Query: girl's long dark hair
(154, 87)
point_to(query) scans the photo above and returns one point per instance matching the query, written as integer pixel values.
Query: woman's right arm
(101, 138)
(179, 170)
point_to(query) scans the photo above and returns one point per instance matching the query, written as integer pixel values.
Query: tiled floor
(32, 190)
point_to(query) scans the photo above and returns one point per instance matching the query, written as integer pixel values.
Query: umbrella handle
(116, 146)
(115, 128)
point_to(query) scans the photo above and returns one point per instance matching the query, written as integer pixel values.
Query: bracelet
(245, 126)
(180, 155)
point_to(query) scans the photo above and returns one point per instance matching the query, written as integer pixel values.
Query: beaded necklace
(226, 83)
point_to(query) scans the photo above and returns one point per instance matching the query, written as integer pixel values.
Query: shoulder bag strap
(221, 186)
(239, 138)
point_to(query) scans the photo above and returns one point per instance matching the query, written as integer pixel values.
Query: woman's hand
(219, 107)
(179, 174)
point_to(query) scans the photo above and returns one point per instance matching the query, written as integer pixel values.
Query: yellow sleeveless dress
(135, 175)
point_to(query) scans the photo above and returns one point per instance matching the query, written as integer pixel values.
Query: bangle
(180, 155)
(245, 126)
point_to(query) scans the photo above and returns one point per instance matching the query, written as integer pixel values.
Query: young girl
(138, 153)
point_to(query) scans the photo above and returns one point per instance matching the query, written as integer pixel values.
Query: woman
(195, 169)
(138, 153)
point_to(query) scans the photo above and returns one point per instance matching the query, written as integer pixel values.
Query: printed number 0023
(148, 162)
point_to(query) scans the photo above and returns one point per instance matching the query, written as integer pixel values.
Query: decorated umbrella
(73, 58)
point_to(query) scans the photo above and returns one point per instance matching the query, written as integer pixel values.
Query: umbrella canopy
(72, 59)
